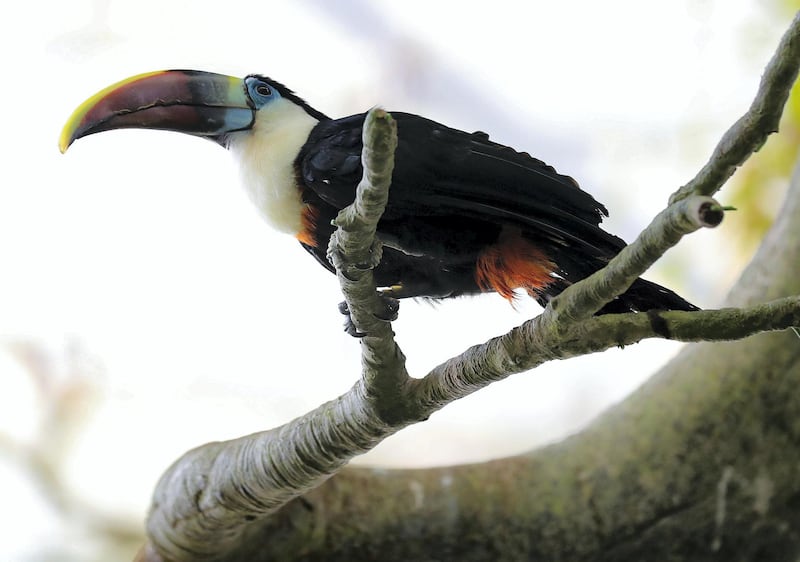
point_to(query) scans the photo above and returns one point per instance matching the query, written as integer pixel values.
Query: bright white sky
(137, 252)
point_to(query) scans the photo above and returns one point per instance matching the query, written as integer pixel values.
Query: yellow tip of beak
(64, 141)
(68, 133)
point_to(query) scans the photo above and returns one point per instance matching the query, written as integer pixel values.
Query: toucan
(465, 214)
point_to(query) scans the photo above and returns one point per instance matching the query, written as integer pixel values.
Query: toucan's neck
(288, 94)
(266, 155)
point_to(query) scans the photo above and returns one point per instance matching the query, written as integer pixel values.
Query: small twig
(750, 132)
(582, 300)
(747, 135)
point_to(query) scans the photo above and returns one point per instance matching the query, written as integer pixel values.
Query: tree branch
(699, 464)
(355, 251)
(750, 132)
(526, 347)
(206, 500)
(582, 300)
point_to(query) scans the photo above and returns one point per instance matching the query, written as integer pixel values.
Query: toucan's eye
(259, 91)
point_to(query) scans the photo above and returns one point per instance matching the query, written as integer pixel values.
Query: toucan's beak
(188, 101)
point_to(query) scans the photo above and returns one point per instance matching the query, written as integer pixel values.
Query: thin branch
(355, 251)
(725, 324)
(531, 344)
(687, 204)
(750, 132)
(582, 300)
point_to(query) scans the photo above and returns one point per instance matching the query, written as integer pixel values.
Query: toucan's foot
(388, 309)
(349, 325)
(350, 328)
(387, 312)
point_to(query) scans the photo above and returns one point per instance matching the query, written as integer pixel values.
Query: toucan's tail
(642, 296)
(645, 295)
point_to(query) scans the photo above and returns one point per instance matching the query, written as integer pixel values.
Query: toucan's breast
(266, 155)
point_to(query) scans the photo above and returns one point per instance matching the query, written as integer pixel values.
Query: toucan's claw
(350, 328)
(349, 325)
(387, 312)
(389, 308)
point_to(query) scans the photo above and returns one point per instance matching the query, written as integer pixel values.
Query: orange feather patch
(309, 222)
(513, 263)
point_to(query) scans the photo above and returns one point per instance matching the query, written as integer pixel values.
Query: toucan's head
(189, 101)
(263, 123)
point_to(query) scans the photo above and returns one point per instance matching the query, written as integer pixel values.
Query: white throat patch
(266, 155)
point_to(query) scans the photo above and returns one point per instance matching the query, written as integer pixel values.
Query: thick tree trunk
(701, 463)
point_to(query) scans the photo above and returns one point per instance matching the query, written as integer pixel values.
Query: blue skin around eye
(258, 99)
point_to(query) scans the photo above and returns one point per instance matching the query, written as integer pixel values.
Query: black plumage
(453, 193)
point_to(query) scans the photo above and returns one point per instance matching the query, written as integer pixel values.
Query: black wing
(441, 173)
(452, 193)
